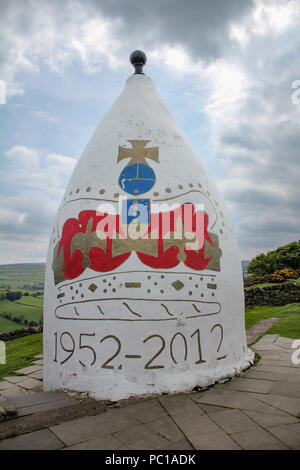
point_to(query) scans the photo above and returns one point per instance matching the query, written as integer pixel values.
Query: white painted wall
(93, 334)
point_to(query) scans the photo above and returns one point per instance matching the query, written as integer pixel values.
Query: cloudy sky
(229, 71)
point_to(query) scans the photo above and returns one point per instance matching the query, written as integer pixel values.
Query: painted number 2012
(68, 345)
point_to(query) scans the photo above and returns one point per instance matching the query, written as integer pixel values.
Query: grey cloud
(201, 26)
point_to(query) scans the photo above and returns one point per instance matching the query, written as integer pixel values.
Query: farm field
(19, 275)
(31, 312)
(7, 325)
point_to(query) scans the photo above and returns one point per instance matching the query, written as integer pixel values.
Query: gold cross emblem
(138, 153)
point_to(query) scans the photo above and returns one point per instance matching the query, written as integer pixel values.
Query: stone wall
(277, 294)
(20, 333)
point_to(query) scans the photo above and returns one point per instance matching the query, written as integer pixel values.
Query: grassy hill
(29, 276)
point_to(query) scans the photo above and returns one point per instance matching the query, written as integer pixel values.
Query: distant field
(7, 325)
(19, 275)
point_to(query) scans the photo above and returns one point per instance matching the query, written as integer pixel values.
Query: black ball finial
(138, 60)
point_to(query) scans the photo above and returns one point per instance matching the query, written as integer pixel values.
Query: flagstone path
(258, 410)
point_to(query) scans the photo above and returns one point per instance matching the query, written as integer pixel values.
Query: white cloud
(22, 157)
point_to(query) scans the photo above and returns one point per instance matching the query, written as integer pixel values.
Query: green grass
(289, 318)
(7, 325)
(33, 312)
(20, 353)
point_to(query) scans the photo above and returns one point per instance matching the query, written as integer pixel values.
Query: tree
(287, 256)
(14, 295)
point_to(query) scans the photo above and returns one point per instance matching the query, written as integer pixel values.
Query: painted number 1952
(177, 353)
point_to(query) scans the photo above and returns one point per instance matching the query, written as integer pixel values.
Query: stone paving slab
(52, 405)
(141, 437)
(260, 328)
(13, 379)
(287, 404)
(267, 420)
(217, 440)
(145, 411)
(15, 392)
(258, 440)
(184, 444)
(4, 385)
(83, 429)
(178, 404)
(39, 362)
(99, 443)
(29, 369)
(194, 423)
(31, 384)
(232, 421)
(264, 375)
(167, 428)
(286, 389)
(289, 434)
(37, 399)
(36, 375)
(38, 440)
(250, 385)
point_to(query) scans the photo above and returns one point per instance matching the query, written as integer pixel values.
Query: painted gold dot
(156, 194)
(191, 185)
(88, 189)
(101, 191)
(76, 291)
(103, 280)
(148, 290)
(114, 278)
(162, 277)
(104, 290)
(180, 186)
(116, 195)
(202, 295)
(114, 290)
(200, 185)
(190, 278)
(71, 287)
(109, 283)
(148, 277)
(190, 292)
(82, 295)
(72, 298)
(155, 283)
(80, 284)
(168, 190)
(162, 291)
(196, 285)
(77, 190)
(201, 278)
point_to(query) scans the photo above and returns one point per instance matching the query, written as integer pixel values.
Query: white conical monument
(143, 289)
